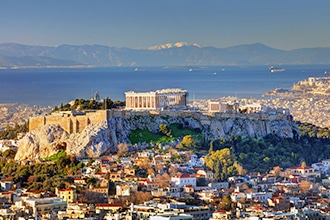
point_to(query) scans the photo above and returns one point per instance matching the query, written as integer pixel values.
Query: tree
(163, 129)
(225, 203)
(9, 154)
(305, 186)
(91, 180)
(22, 174)
(31, 179)
(91, 197)
(222, 162)
(139, 197)
(217, 170)
(163, 180)
(112, 188)
(107, 104)
(277, 171)
(240, 169)
(188, 141)
(63, 161)
(211, 147)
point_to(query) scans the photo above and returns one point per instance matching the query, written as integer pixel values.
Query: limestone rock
(99, 139)
(103, 138)
(41, 143)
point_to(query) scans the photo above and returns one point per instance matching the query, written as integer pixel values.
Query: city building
(172, 217)
(43, 206)
(181, 180)
(68, 195)
(326, 165)
(303, 171)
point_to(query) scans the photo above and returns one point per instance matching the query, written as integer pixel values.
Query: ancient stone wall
(36, 122)
(70, 123)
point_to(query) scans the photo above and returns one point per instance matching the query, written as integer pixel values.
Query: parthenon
(160, 99)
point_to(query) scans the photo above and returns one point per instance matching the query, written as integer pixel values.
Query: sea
(53, 86)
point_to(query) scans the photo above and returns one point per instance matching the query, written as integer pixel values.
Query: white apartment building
(261, 196)
(326, 165)
(306, 171)
(182, 180)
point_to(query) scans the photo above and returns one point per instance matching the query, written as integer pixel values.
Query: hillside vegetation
(92, 104)
(263, 154)
(167, 134)
(252, 154)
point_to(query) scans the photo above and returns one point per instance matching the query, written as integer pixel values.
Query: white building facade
(182, 180)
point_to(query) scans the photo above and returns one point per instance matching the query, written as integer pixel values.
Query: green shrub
(56, 156)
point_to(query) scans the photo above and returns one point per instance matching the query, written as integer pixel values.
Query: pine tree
(217, 170)
(211, 148)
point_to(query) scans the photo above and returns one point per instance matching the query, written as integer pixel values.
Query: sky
(282, 24)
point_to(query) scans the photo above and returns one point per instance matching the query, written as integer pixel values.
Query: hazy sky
(283, 24)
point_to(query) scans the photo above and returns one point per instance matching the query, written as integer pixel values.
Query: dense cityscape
(165, 110)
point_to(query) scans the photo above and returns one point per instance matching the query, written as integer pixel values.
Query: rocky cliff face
(41, 143)
(103, 138)
(232, 127)
(100, 139)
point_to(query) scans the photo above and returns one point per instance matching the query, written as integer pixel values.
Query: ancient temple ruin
(156, 100)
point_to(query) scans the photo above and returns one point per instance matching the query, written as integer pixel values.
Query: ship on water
(276, 69)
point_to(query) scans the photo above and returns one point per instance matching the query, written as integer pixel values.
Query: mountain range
(178, 54)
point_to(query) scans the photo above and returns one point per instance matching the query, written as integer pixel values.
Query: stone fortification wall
(77, 123)
(36, 122)
(69, 122)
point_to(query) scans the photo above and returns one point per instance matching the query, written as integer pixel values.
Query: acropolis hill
(166, 102)
(75, 122)
(98, 133)
(90, 134)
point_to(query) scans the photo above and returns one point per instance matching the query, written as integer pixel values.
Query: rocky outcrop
(103, 138)
(100, 139)
(41, 143)
(94, 141)
(216, 127)
(232, 127)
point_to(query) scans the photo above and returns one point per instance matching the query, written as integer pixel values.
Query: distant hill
(179, 54)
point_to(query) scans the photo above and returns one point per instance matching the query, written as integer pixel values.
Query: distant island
(13, 55)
